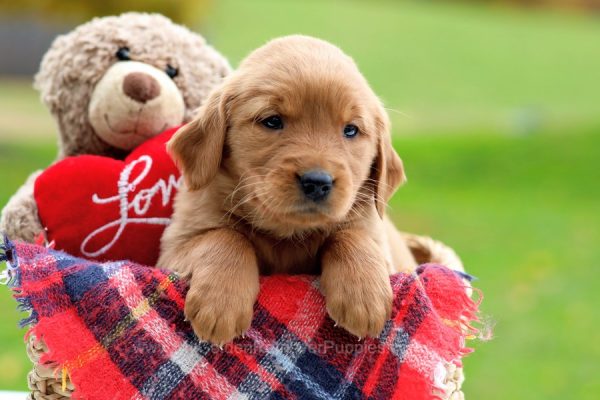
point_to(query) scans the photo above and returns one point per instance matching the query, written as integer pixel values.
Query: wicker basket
(45, 385)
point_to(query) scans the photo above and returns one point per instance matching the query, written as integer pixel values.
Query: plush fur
(69, 75)
(242, 213)
(19, 218)
(78, 60)
(133, 102)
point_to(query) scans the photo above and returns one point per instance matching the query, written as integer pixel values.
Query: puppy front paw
(360, 308)
(219, 316)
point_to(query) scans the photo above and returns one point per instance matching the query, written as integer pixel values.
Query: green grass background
(498, 124)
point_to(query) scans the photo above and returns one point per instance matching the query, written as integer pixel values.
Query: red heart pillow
(106, 209)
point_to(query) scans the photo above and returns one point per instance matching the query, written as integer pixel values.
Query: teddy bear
(111, 84)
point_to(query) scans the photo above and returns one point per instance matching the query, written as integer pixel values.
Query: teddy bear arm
(19, 219)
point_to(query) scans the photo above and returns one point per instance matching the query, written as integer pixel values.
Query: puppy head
(299, 134)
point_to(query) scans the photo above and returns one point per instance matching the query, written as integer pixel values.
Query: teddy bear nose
(140, 87)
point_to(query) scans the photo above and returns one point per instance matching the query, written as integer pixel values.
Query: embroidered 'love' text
(134, 211)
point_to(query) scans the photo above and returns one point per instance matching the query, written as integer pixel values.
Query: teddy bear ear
(197, 147)
(46, 78)
(201, 81)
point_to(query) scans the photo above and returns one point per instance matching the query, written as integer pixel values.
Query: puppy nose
(316, 185)
(140, 87)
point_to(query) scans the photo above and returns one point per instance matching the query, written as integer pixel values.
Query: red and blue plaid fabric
(118, 329)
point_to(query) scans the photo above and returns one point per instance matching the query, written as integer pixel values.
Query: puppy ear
(197, 147)
(388, 167)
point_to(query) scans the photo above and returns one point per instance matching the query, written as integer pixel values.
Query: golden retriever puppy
(288, 167)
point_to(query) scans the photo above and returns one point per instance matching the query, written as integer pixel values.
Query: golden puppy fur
(242, 211)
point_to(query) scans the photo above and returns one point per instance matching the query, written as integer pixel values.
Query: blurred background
(496, 113)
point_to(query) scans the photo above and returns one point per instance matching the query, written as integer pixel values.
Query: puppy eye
(171, 71)
(350, 131)
(123, 54)
(273, 122)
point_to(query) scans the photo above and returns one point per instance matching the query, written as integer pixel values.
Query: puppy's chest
(288, 256)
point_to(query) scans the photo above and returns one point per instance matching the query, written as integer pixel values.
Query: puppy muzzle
(316, 185)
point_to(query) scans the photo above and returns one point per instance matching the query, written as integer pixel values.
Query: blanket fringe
(11, 277)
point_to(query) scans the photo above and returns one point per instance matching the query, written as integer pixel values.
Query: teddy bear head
(116, 81)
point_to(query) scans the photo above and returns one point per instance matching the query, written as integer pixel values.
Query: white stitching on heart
(139, 205)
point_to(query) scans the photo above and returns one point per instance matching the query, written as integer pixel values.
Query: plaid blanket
(118, 330)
